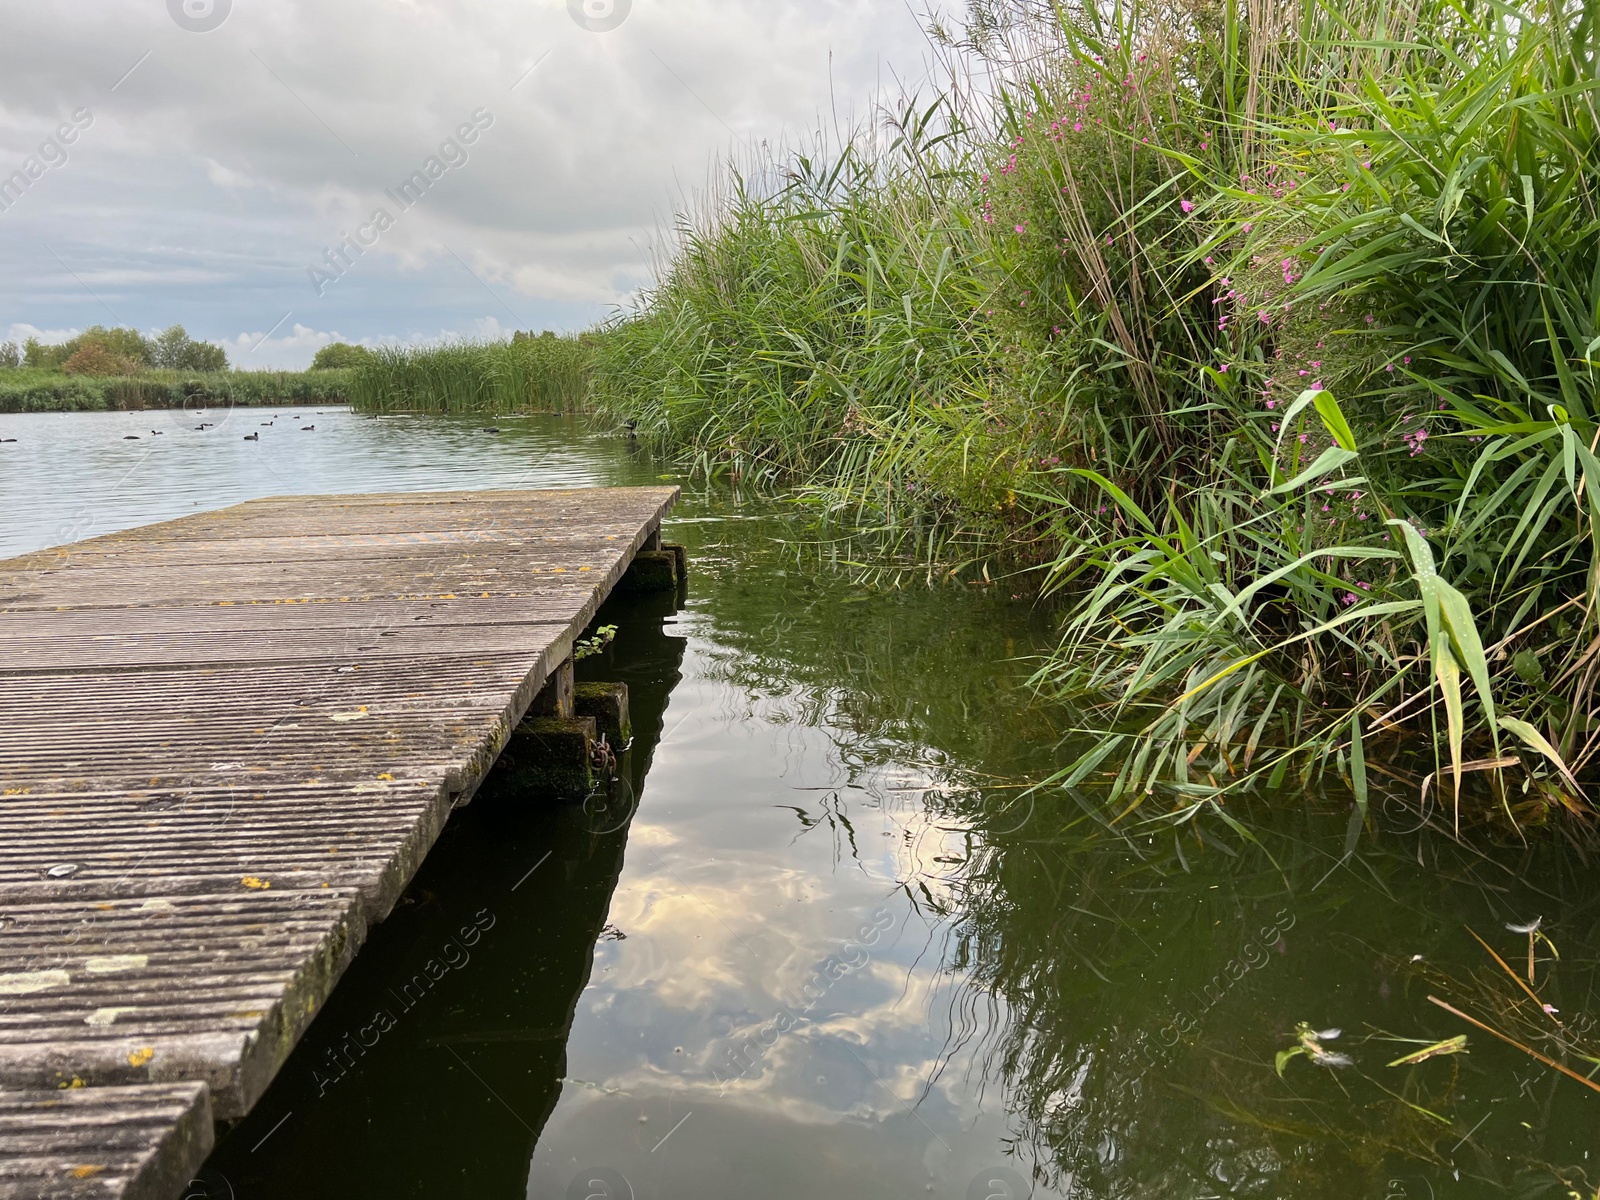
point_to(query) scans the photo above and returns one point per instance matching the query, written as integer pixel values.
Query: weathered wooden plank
(234, 647)
(553, 605)
(226, 744)
(235, 839)
(69, 969)
(128, 1143)
(466, 543)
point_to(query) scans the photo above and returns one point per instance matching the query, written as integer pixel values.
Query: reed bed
(1259, 330)
(531, 374)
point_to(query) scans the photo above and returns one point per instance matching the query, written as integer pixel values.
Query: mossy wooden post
(556, 698)
(607, 703)
(551, 750)
(657, 567)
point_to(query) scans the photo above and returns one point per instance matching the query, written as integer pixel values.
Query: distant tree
(205, 356)
(126, 349)
(168, 347)
(175, 350)
(338, 356)
(128, 345)
(36, 354)
(97, 358)
(10, 356)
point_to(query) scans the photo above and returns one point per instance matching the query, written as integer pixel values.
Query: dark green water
(825, 951)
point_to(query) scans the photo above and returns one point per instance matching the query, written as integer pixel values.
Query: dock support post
(607, 703)
(657, 567)
(556, 698)
(550, 752)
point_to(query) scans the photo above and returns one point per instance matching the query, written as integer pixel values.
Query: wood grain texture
(227, 743)
(133, 1143)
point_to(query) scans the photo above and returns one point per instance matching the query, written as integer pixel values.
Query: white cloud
(228, 161)
(21, 331)
(293, 350)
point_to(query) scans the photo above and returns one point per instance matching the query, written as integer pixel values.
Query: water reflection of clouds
(733, 910)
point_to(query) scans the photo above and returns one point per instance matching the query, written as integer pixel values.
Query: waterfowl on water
(132, 437)
(307, 428)
(492, 429)
(252, 437)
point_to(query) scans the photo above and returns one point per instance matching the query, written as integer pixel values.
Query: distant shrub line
(24, 390)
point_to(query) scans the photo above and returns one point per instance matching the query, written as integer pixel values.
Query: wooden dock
(226, 744)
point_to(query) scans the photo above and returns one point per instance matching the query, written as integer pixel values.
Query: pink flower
(1022, 229)
(1077, 127)
(1186, 205)
(1223, 369)
(1248, 226)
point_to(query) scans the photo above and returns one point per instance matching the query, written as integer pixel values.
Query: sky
(222, 164)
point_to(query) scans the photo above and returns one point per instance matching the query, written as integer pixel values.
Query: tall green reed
(1095, 313)
(535, 374)
(1413, 226)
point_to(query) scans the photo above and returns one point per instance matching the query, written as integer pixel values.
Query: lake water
(829, 946)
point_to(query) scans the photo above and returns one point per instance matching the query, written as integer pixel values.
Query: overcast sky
(221, 147)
